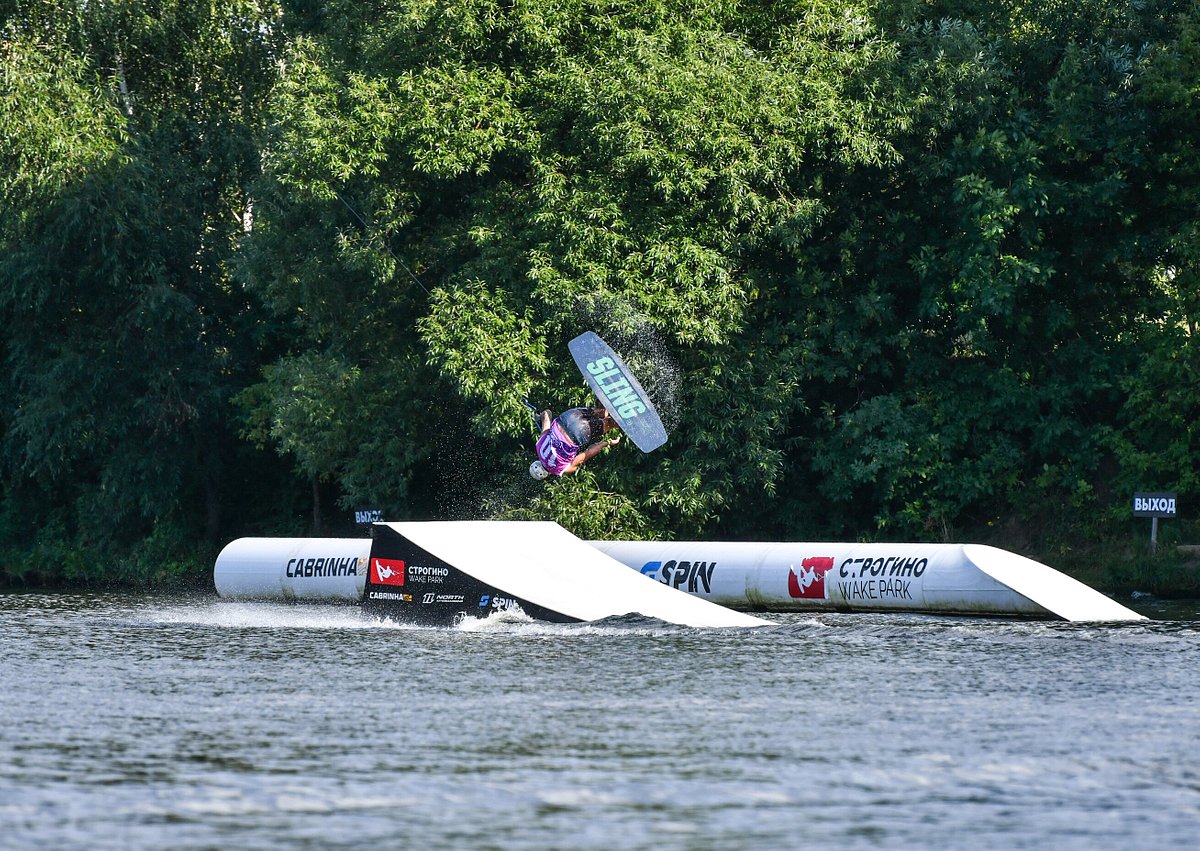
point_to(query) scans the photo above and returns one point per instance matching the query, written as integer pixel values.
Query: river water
(188, 722)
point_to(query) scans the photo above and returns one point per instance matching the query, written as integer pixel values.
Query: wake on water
(318, 616)
(518, 623)
(266, 615)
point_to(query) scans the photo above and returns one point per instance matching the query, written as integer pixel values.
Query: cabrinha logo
(316, 567)
(387, 571)
(810, 583)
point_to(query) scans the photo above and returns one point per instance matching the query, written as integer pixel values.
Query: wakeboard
(618, 390)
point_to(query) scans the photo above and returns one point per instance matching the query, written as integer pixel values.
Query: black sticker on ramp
(411, 585)
(618, 391)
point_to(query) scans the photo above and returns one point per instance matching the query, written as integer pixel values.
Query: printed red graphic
(810, 583)
(387, 571)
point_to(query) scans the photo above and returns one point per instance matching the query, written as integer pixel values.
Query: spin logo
(809, 583)
(498, 603)
(690, 576)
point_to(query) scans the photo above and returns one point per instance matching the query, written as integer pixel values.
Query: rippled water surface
(128, 722)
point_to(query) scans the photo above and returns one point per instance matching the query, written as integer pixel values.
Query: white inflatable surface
(292, 569)
(542, 560)
(949, 578)
(545, 564)
(1066, 597)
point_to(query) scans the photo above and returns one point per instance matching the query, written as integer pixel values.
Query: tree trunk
(126, 100)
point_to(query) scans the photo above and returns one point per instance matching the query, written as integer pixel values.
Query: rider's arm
(590, 453)
(546, 421)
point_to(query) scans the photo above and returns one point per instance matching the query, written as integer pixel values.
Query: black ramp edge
(410, 585)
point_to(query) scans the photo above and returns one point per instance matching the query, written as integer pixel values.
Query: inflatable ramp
(969, 579)
(437, 573)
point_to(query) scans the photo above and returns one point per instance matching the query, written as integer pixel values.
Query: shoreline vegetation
(922, 270)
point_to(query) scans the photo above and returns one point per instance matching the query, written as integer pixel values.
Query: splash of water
(266, 615)
(643, 349)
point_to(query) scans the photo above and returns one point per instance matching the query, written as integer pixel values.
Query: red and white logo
(809, 584)
(387, 571)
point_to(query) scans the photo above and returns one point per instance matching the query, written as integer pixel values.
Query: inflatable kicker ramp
(437, 573)
(434, 573)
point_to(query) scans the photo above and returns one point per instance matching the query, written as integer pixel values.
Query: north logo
(387, 571)
(809, 583)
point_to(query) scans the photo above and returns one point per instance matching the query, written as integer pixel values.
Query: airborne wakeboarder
(569, 441)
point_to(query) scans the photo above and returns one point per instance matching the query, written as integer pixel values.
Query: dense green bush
(895, 269)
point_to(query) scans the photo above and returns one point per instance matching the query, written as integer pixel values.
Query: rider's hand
(613, 441)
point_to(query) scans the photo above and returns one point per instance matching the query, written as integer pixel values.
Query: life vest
(555, 450)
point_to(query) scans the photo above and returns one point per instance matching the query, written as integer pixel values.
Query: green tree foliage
(1008, 275)
(920, 268)
(494, 179)
(1155, 437)
(130, 143)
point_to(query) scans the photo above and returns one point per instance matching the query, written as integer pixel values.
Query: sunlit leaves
(579, 504)
(491, 352)
(56, 124)
(914, 260)
(547, 162)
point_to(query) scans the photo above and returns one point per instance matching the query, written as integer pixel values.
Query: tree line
(897, 269)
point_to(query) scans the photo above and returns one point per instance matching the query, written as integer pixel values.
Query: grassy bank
(1123, 564)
